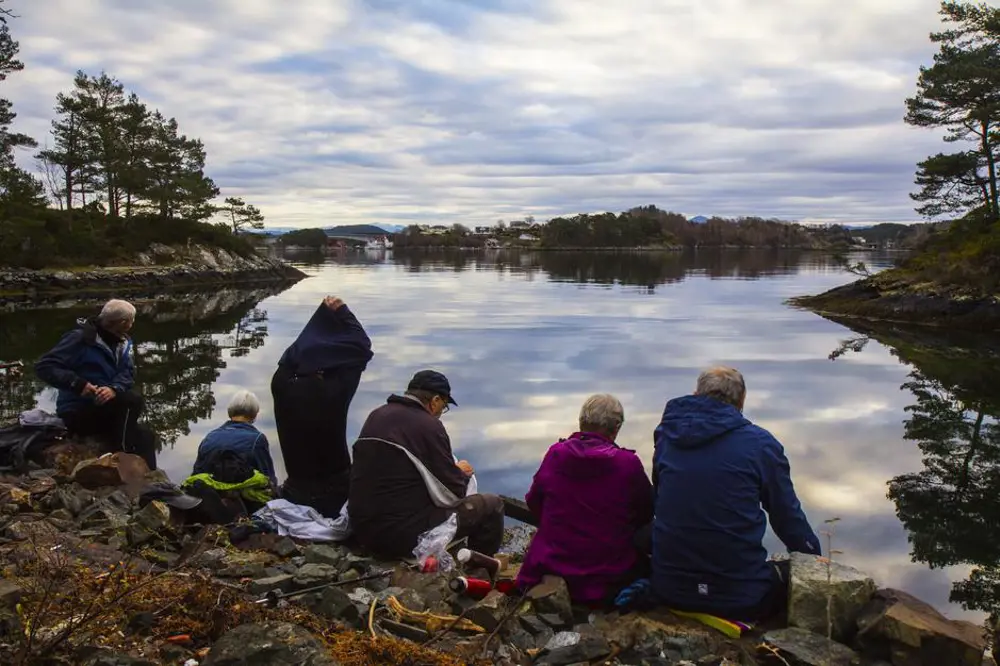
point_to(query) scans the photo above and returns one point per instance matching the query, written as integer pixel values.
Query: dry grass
(68, 604)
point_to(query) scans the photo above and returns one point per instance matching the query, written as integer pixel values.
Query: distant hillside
(356, 230)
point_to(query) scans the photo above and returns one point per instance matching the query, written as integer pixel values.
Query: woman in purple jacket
(590, 497)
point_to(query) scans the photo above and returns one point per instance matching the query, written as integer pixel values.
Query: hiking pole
(272, 598)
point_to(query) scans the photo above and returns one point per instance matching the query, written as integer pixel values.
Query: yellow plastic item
(730, 629)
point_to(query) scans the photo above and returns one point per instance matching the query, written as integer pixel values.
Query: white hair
(116, 311)
(244, 404)
(723, 384)
(602, 413)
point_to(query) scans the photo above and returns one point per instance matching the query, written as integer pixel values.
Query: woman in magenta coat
(590, 497)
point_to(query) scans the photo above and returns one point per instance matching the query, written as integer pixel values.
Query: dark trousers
(116, 425)
(480, 518)
(327, 496)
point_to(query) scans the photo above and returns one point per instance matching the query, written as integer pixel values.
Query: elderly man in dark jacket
(94, 370)
(392, 500)
(716, 474)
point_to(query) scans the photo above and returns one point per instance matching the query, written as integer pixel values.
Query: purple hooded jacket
(590, 497)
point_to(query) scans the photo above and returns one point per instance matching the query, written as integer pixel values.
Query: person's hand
(465, 467)
(104, 394)
(333, 302)
(89, 390)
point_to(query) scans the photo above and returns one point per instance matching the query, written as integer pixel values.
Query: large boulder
(269, 644)
(816, 582)
(112, 469)
(798, 647)
(906, 631)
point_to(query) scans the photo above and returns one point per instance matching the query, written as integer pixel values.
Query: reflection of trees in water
(644, 269)
(180, 347)
(951, 507)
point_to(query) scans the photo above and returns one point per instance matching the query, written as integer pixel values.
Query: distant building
(699, 219)
(527, 237)
(519, 224)
(483, 231)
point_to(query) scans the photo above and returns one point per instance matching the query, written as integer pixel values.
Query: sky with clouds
(391, 111)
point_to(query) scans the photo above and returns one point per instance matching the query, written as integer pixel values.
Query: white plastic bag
(434, 542)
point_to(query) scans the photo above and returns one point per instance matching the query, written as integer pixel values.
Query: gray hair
(723, 384)
(244, 404)
(116, 311)
(602, 413)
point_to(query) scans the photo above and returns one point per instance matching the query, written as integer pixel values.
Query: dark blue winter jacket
(244, 440)
(83, 356)
(715, 475)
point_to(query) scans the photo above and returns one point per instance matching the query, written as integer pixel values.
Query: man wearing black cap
(405, 481)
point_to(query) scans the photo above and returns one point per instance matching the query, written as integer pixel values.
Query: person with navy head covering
(312, 388)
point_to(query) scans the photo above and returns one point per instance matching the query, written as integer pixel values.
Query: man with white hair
(94, 369)
(715, 475)
(237, 439)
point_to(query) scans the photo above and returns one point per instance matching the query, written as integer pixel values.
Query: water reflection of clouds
(523, 352)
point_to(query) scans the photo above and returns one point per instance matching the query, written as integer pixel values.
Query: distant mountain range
(343, 228)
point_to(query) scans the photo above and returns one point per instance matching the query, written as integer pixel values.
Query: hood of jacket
(92, 336)
(329, 340)
(697, 420)
(585, 455)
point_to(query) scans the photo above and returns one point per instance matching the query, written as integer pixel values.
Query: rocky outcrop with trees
(954, 276)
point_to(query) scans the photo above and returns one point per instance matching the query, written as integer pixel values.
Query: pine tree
(960, 92)
(17, 187)
(242, 216)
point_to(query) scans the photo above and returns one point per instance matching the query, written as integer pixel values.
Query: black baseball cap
(433, 381)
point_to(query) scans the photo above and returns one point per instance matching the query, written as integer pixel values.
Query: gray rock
(570, 647)
(849, 590)
(554, 620)
(10, 593)
(489, 612)
(355, 562)
(20, 530)
(265, 585)
(649, 636)
(336, 605)
(213, 559)
(310, 575)
(409, 598)
(269, 644)
(285, 547)
(152, 522)
(323, 554)
(112, 659)
(551, 595)
(61, 515)
(533, 624)
(900, 627)
(805, 648)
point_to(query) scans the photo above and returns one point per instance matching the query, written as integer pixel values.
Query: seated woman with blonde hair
(590, 497)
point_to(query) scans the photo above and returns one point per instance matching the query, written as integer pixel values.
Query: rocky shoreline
(89, 577)
(898, 296)
(162, 267)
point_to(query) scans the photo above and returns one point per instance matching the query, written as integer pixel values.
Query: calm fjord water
(524, 338)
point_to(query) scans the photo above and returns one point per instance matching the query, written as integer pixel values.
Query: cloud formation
(376, 111)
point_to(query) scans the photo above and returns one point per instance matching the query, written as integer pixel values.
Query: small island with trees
(120, 186)
(953, 277)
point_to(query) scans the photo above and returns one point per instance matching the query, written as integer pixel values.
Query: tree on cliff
(18, 188)
(960, 92)
(242, 216)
